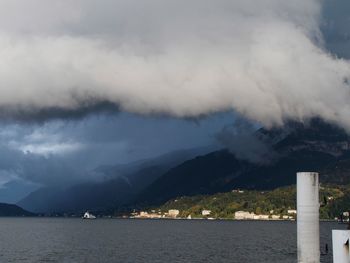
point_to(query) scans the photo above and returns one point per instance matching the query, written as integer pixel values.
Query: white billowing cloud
(40, 142)
(264, 59)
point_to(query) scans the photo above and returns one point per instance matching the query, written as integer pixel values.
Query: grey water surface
(146, 241)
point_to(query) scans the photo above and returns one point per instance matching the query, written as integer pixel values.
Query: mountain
(79, 198)
(314, 146)
(9, 210)
(13, 191)
(120, 185)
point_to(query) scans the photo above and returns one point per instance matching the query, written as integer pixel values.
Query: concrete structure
(308, 226)
(340, 241)
(292, 212)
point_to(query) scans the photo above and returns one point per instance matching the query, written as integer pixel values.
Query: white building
(143, 214)
(173, 212)
(243, 215)
(292, 212)
(240, 215)
(261, 217)
(237, 191)
(206, 212)
(264, 217)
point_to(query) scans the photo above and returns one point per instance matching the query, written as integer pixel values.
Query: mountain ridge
(12, 210)
(120, 185)
(316, 146)
(313, 146)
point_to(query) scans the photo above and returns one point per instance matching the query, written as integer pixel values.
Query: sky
(64, 152)
(86, 83)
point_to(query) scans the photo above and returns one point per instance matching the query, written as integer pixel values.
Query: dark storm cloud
(336, 27)
(32, 115)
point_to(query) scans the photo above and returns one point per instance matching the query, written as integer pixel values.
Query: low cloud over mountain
(265, 59)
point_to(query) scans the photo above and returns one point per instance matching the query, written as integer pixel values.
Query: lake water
(146, 241)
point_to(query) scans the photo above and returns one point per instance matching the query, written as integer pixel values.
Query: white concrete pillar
(308, 226)
(340, 241)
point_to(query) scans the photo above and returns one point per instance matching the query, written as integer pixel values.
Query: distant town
(238, 204)
(206, 214)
